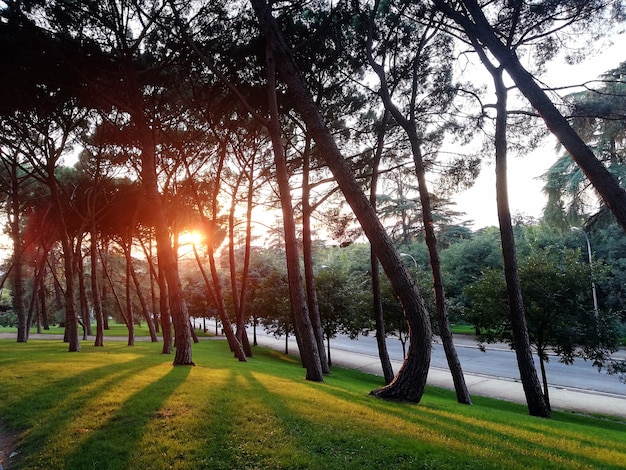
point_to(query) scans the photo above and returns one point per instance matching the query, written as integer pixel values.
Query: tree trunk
(18, 257)
(605, 184)
(537, 405)
(462, 394)
(168, 261)
(130, 321)
(145, 310)
(82, 290)
(305, 335)
(237, 295)
(166, 323)
(307, 255)
(95, 287)
(71, 319)
(410, 382)
(544, 379)
(410, 128)
(379, 319)
(217, 299)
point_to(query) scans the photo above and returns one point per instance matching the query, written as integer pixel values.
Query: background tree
(559, 312)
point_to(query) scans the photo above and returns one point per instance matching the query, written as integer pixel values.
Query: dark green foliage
(560, 315)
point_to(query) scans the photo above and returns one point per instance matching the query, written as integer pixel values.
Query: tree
(597, 114)
(430, 91)
(411, 379)
(469, 15)
(559, 312)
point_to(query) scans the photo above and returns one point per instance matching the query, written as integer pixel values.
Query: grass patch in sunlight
(115, 329)
(121, 407)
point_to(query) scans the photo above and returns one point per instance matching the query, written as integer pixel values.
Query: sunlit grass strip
(128, 407)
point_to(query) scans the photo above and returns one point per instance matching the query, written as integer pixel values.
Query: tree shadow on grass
(404, 435)
(57, 405)
(117, 438)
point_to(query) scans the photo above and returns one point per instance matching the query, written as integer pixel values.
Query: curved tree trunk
(307, 255)
(462, 393)
(410, 382)
(379, 319)
(409, 127)
(535, 399)
(305, 335)
(605, 184)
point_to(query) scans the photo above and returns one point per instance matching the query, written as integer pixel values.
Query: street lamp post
(593, 284)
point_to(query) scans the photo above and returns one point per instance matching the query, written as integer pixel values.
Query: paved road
(499, 360)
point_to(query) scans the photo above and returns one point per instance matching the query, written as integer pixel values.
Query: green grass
(463, 329)
(121, 407)
(115, 329)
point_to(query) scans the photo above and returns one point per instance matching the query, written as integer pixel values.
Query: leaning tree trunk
(605, 184)
(454, 364)
(410, 382)
(377, 301)
(167, 257)
(305, 335)
(18, 257)
(145, 309)
(307, 255)
(409, 127)
(535, 399)
(215, 295)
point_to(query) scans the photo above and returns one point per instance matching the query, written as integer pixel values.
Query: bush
(8, 318)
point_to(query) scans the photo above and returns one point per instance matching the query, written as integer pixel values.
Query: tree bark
(410, 382)
(408, 124)
(95, 286)
(166, 319)
(305, 335)
(537, 405)
(71, 319)
(145, 310)
(379, 319)
(217, 298)
(307, 255)
(18, 255)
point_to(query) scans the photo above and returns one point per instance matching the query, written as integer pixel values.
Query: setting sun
(190, 238)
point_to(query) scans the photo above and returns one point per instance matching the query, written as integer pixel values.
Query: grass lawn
(121, 407)
(115, 329)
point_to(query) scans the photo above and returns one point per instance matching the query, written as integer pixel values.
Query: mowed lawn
(121, 407)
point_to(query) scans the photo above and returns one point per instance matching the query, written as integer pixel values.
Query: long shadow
(67, 392)
(61, 402)
(494, 444)
(118, 437)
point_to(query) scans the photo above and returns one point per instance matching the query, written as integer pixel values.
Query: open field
(121, 407)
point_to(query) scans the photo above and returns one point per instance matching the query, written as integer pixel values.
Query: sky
(525, 185)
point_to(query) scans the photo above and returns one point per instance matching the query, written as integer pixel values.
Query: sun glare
(190, 238)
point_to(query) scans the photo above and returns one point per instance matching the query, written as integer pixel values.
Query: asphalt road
(498, 361)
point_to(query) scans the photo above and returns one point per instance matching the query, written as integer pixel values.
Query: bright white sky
(525, 185)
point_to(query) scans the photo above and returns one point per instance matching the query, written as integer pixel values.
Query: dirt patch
(8, 446)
